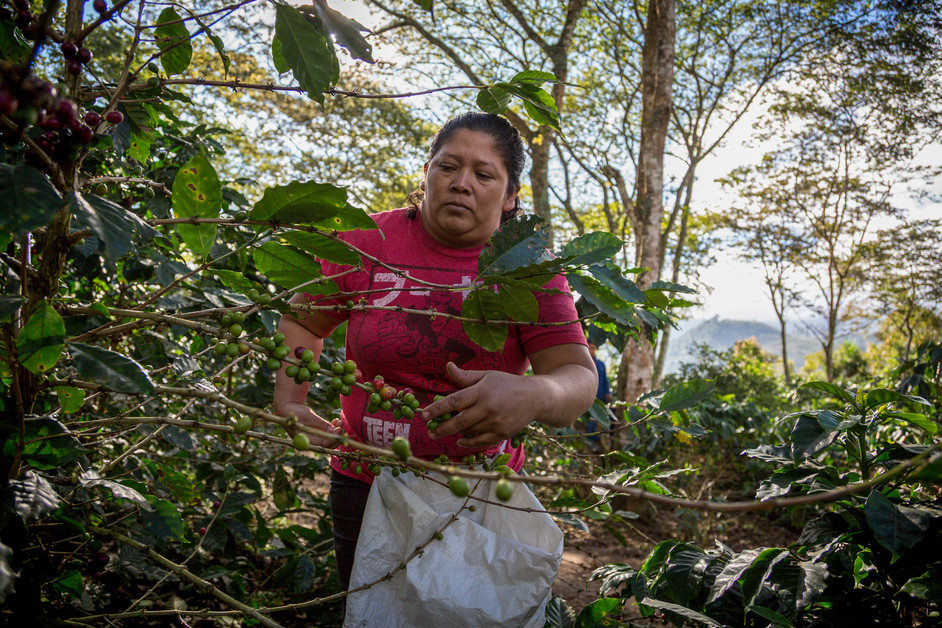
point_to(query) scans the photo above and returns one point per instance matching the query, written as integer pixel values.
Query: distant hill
(722, 334)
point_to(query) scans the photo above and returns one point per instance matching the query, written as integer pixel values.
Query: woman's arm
(495, 405)
(306, 331)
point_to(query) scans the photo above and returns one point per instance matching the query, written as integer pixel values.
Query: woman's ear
(511, 201)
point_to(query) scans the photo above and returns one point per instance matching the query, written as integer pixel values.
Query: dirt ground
(584, 552)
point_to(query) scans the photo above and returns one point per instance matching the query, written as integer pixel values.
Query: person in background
(603, 394)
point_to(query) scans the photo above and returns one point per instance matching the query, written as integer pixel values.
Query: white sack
(494, 566)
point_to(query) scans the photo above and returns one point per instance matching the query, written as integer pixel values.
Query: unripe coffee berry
(279, 338)
(504, 490)
(459, 486)
(307, 355)
(400, 447)
(301, 442)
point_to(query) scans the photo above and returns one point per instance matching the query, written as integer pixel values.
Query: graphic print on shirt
(419, 342)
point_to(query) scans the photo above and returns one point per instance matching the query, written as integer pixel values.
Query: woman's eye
(485, 175)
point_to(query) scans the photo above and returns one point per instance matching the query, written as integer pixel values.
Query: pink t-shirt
(411, 350)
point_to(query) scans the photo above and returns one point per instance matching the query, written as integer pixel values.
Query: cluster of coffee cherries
(23, 18)
(76, 58)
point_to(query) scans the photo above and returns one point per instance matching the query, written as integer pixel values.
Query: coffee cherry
(114, 117)
(226, 319)
(153, 82)
(349, 379)
(235, 329)
(274, 364)
(407, 412)
(220, 349)
(232, 349)
(202, 531)
(149, 192)
(400, 447)
(84, 55)
(73, 67)
(291, 371)
(264, 299)
(69, 49)
(307, 356)
(345, 390)
(23, 18)
(101, 6)
(504, 490)
(349, 366)
(238, 317)
(432, 425)
(387, 393)
(385, 405)
(216, 505)
(408, 398)
(92, 118)
(153, 67)
(458, 486)
(244, 348)
(304, 374)
(86, 135)
(280, 352)
(375, 399)
(301, 442)
(299, 351)
(253, 294)
(337, 368)
(279, 338)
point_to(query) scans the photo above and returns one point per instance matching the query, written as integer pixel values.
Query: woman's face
(465, 190)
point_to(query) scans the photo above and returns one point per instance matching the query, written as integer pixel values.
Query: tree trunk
(657, 75)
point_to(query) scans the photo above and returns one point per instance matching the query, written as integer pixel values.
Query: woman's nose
(460, 181)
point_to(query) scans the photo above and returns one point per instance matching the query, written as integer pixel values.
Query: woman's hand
(309, 418)
(492, 406)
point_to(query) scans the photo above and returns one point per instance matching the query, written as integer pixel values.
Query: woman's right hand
(309, 418)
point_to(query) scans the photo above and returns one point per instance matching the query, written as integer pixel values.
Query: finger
(462, 377)
(453, 403)
(465, 421)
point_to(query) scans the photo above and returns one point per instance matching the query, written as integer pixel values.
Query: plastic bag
(493, 567)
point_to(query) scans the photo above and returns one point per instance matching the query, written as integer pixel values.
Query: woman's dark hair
(507, 141)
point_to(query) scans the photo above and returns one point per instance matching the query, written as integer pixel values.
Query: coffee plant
(870, 558)
(144, 477)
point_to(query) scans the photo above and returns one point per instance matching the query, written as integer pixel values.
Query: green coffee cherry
(301, 441)
(504, 490)
(400, 447)
(459, 486)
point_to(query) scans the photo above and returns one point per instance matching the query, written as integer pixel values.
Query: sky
(737, 288)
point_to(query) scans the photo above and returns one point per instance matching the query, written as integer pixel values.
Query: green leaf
(307, 50)
(483, 304)
(323, 247)
(926, 587)
(798, 583)
(537, 102)
(112, 370)
(41, 340)
(278, 57)
(237, 281)
(597, 611)
(49, 445)
(611, 277)
(140, 146)
(518, 243)
(173, 41)
(114, 226)
(667, 286)
(683, 611)
(882, 396)
(756, 575)
(27, 200)
(197, 193)
(283, 494)
(316, 204)
(15, 50)
(919, 420)
(777, 619)
(536, 77)
(591, 248)
(519, 303)
(286, 266)
(120, 491)
(686, 394)
(426, 5)
(179, 484)
(70, 583)
(602, 297)
(808, 438)
(897, 528)
(834, 391)
(9, 304)
(345, 31)
(164, 520)
(558, 614)
(731, 574)
(216, 41)
(33, 497)
(493, 100)
(70, 399)
(832, 421)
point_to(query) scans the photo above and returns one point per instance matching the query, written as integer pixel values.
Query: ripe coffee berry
(101, 6)
(69, 50)
(74, 67)
(86, 135)
(92, 118)
(84, 55)
(114, 117)
(202, 531)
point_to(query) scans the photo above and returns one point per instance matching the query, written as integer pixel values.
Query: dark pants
(347, 503)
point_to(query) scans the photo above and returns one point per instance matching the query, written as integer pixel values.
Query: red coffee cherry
(69, 49)
(114, 117)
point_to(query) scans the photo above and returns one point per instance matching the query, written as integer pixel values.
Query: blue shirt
(603, 390)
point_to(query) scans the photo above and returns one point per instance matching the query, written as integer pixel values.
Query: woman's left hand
(492, 406)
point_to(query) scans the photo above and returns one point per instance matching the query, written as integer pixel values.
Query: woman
(470, 186)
